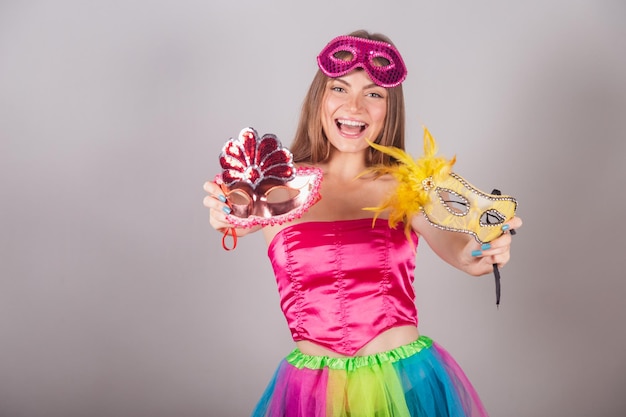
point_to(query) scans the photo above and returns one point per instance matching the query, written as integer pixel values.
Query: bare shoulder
(382, 185)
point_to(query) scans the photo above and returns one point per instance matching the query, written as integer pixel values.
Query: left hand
(479, 259)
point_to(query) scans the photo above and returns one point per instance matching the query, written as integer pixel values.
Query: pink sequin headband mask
(345, 53)
(261, 183)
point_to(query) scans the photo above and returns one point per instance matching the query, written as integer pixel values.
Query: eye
(337, 89)
(455, 203)
(375, 95)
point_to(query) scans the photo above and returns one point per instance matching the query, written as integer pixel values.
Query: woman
(345, 280)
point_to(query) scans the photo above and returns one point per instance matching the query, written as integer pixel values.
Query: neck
(345, 165)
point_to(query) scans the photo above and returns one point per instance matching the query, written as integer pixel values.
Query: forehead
(356, 78)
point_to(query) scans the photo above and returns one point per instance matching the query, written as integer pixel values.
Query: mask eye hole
(239, 198)
(491, 217)
(344, 56)
(280, 194)
(380, 62)
(453, 202)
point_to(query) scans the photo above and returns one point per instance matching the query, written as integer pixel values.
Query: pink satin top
(342, 283)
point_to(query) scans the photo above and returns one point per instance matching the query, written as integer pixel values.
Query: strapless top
(342, 283)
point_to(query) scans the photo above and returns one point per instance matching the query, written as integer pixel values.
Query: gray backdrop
(116, 298)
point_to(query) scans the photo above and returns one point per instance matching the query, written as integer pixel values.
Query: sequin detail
(363, 53)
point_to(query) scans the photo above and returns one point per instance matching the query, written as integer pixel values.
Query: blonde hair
(311, 144)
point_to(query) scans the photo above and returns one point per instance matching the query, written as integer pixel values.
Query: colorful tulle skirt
(416, 380)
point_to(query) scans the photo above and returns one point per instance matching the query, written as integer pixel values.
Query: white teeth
(351, 123)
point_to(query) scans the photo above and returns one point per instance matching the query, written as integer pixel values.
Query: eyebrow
(371, 85)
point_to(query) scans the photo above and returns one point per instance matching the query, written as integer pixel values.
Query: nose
(355, 102)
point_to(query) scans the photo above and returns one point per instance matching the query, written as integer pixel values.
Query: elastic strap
(230, 231)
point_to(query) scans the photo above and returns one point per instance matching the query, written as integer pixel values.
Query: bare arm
(462, 251)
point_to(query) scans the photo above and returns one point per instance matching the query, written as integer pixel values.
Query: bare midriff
(387, 340)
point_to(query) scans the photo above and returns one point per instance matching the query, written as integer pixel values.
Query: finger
(214, 190)
(217, 210)
(493, 256)
(512, 225)
(209, 202)
(494, 247)
(502, 240)
(496, 252)
(216, 202)
(218, 196)
(500, 259)
(218, 220)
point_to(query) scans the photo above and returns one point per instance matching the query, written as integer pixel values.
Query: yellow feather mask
(447, 200)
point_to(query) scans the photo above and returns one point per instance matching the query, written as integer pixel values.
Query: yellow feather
(409, 196)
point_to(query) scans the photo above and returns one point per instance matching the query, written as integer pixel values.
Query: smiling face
(353, 109)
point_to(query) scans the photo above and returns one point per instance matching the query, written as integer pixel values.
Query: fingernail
(486, 246)
(505, 227)
(226, 209)
(477, 252)
(221, 198)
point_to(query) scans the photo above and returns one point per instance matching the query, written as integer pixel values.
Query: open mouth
(350, 127)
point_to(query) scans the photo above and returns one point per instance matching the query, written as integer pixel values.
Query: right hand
(215, 202)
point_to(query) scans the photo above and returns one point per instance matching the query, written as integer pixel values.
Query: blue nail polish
(221, 198)
(486, 246)
(226, 209)
(505, 227)
(477, 252)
